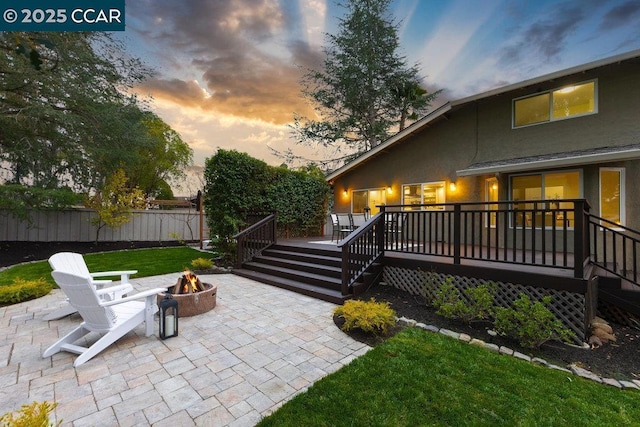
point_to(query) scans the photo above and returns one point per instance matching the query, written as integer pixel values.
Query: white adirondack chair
(111, 319)
(71, 262)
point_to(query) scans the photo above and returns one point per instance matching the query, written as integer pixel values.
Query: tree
(65, 116)
(171, 156)
(114, 202)
(366, 89)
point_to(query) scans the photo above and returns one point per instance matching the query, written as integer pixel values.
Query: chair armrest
(140, 295)
(125, 287)
(124, 274)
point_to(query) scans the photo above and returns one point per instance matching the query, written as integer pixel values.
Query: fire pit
(193, 296)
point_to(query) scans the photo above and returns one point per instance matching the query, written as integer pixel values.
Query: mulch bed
(619, 360)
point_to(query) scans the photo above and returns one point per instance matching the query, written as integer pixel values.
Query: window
(491, 195)
(422, 194)
(570, 101)
(371, 198)
(612, 195)
(546, 186)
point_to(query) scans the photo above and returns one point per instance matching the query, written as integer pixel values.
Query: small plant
(368, 316)
(23, 290)
(201, 264)
(34, 414)
(175, 236)
(530, 323)
(476, 304)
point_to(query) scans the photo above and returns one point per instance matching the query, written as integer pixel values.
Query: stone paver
(241, 361)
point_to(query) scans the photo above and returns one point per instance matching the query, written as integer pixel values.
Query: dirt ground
(619, 360)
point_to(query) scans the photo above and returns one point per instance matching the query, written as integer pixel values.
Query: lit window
(570, 101)
(423, 194)
(546, 186)
(612, 195)
(371, 198)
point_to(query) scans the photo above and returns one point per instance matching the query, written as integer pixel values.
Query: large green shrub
(475, 303)
(530, 323)
(240, 188)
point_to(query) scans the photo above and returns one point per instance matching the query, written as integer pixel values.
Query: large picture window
(569, 101)
(612, 194)
(422, 194)
(546, 186)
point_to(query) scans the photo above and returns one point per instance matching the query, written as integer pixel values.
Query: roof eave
(550, 163)
(403, 134)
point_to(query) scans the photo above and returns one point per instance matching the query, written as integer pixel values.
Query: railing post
(239, 249)
(457, 214)
(381, 230)
(579, 234)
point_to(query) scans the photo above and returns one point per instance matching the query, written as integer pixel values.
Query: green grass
(148, 262)
(418, 378)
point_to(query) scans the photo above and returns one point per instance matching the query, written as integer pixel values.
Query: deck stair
(619, 292)
(306, 269)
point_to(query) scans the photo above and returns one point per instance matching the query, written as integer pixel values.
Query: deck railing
(614, 248)
(254, 239)
(360, 249)
(549, 233)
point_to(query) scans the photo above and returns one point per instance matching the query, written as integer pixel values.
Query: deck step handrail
(255, 238)
(615, 248)
(361, 249)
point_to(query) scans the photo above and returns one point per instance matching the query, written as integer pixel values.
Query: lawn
(148, 262)
(420, 378)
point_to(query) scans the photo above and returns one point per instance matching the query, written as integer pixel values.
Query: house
(530, 186)
(572, 134)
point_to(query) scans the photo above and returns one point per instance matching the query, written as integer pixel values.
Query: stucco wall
(481, 131)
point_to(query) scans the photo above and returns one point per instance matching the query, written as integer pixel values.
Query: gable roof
(447, 107)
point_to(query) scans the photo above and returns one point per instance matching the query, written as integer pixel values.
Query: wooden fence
(75, 225)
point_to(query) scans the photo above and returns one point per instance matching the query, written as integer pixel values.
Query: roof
(581, 157)
(439, 112)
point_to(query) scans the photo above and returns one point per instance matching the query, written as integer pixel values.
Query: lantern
(168, 317)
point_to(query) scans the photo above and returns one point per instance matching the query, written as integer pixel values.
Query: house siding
(481, 131)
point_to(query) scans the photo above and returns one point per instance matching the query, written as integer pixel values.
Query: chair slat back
(83, 297)
(69, 262)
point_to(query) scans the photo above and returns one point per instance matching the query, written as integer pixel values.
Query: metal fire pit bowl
(195, 303)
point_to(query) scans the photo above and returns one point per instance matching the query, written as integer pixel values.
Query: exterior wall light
(389, 190)
(345, 193)
(452, 186)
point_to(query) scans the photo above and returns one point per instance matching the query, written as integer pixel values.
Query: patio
(259, 347)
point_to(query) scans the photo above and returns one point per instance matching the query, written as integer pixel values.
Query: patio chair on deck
(111, 319)
(71, 262)
(357, 220)
(344, 224)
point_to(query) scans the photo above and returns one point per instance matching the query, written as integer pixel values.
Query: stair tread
(298, 263)
(326, 294)
(334, 257)
(292, 271)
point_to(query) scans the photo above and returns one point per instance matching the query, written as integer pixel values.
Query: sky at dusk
(228, 71)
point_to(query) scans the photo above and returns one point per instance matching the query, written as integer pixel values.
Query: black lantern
(168, 317)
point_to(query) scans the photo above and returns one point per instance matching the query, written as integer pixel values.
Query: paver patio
(259, 347)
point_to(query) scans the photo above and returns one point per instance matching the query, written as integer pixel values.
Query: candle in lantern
(169, 325)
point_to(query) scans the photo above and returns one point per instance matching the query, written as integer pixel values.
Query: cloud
(246, 65)
(621, 15)
(544, 39)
